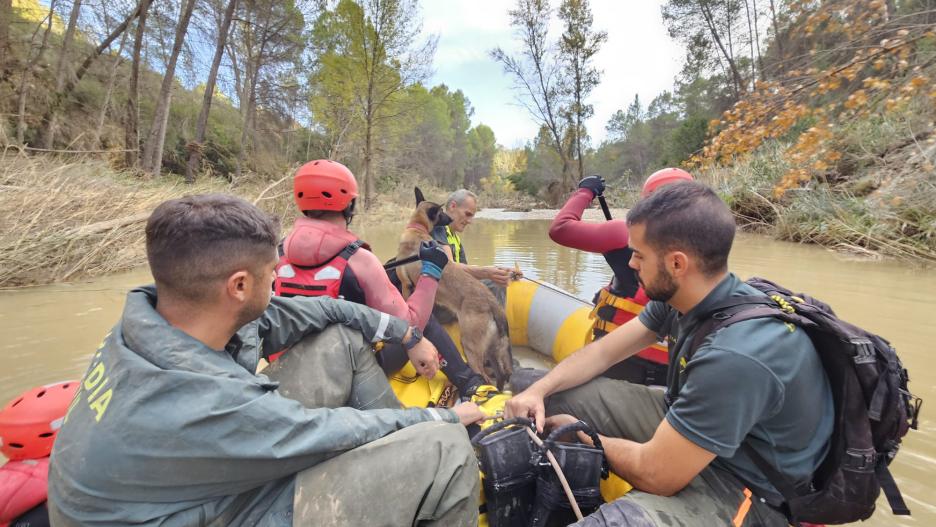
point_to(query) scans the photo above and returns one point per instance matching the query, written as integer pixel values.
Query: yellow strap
(455, 241)
(606, 298)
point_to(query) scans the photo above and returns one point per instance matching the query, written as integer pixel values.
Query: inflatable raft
(546, 323)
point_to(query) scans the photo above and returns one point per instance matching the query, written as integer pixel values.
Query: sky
(639, 57)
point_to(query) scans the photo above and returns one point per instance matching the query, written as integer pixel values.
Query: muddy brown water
(50, 332)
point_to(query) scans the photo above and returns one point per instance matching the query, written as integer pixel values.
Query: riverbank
(64, 219)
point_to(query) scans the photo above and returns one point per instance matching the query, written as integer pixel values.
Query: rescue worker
(172, 427)
(756, 384)
(623, 298)
(321, 256)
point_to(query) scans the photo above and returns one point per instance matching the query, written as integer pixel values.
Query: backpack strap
(778, 479)
(889, 486)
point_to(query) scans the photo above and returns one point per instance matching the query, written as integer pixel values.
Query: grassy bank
(878, 201)
(65, 219)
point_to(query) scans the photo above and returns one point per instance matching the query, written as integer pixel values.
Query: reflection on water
(51, 331)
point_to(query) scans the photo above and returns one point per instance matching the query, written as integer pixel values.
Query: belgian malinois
(481, 319)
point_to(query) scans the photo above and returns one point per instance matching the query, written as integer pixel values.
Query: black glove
(593, 183)
(433, 259)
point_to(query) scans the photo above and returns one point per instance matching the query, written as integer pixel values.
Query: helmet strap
(348, 212)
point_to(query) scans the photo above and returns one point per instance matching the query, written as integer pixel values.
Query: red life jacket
(23, 486)
(612, 311)
(322, 280)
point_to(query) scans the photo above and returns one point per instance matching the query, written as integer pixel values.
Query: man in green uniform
(172, 427)
(757, 383)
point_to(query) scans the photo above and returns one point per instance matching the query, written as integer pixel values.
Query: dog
(481, 319)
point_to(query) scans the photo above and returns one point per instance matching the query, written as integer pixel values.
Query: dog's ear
(433, 214)
(419, 196)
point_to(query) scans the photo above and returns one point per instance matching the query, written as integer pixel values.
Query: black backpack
(873, 408)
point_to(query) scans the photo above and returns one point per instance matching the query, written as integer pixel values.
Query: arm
(380, 294)
(569, 230)
(287, 320)
(499, 275)
(581, 367)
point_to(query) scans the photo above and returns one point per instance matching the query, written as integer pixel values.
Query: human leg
(333, 368)
(613, 408)
(714, 497)
(425, 474)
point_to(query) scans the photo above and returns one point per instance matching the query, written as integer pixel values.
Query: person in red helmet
(28, 426)
(322, 257)
(623, 298)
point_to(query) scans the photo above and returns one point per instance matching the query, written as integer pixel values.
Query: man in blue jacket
(172, 426)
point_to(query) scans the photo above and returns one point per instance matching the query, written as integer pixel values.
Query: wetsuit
(315, 243)
(623, 298)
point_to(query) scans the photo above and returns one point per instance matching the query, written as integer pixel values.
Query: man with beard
(757, 383)
(171, 426)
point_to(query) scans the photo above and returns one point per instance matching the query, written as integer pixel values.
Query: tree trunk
(195, 147)
(6, 18)
(48, 133)
(111, 79)
(750, 26)
(132, 130)
(710, 22)
(776, 29)
(760, 57)
(28, 74)
(153, 150)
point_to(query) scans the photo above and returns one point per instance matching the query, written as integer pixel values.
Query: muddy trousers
(422, 475)
(714, 497)
(393, 357)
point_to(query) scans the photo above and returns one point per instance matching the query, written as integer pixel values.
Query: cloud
(638, 58)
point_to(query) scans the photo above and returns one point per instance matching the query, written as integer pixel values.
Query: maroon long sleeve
(569, 230)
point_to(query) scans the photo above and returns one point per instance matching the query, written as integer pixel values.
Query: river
(51, 331)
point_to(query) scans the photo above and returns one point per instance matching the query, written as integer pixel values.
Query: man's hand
(555, 421)
(424, 356)
(469, 413)
(595, 184)
(500, 275)
(529, 404)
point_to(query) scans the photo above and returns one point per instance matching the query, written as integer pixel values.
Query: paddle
(604, 207)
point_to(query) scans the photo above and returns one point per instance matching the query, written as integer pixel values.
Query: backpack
(873, 407)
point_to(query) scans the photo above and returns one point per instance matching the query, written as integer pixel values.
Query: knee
(618, 513)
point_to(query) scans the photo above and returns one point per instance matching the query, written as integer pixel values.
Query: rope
(562, 478)
(556, 289)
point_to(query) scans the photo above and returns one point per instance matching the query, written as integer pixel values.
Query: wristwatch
(415, 336)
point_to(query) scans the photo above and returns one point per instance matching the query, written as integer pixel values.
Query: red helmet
(663, 177)
(29, 423)
(324, 185)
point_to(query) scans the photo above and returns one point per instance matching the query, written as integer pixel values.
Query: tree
(267, 37)
(537, 77)
(48, 135)
(707, 20)
(6, 17)
(482, 148)
(29, 74)
(371, 52)
(153, 149)
(132, 127)
(578, 45)
(195, 147)
(61, 95)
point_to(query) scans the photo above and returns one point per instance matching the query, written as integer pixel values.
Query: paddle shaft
(604, 207)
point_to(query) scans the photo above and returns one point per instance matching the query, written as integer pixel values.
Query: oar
(404, 261)
(604, 207)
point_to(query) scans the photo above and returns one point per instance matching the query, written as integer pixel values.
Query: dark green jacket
(165, 431)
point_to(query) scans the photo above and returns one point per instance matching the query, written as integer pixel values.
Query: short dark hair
(689, 217)
(194, 241)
